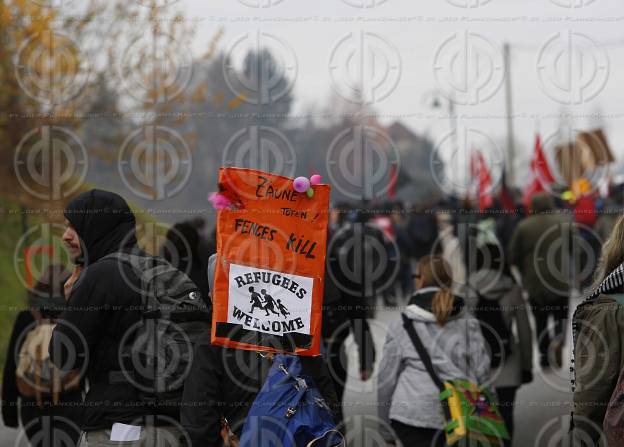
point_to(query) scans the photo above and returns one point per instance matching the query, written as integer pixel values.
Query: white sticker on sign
(267, 301)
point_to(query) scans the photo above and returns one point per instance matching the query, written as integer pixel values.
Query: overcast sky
(567, 56)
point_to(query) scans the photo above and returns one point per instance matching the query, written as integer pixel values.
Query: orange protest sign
(271, 245)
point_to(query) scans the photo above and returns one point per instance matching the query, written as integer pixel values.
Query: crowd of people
(470, 308)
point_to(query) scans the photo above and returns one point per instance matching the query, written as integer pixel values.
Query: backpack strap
(56, 386)
(38, 372)
(422, 351)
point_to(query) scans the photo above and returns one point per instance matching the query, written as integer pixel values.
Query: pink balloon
(316, 180)
(218, 201)
(301, 184)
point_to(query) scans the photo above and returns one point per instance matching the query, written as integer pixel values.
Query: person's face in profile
(72, 241)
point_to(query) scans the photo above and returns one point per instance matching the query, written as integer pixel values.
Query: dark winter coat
(104, 305)
(535, 248)
(598, 353)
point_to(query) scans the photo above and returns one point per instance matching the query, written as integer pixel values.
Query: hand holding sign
(270, 263)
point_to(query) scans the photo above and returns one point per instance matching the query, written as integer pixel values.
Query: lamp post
(437, 99)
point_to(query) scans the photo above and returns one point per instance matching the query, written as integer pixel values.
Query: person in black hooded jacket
(104, 304)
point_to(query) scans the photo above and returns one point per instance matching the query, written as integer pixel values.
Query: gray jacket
(405, 390)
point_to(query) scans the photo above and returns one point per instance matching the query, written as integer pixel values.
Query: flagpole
(509, 111)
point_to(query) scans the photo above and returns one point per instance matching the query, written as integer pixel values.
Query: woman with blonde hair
(407, 396)
(598, 330)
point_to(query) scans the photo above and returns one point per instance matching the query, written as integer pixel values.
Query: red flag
(392, 182)
(539, 174)
(479, 169)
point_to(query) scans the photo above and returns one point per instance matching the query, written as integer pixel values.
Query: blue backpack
(289, 411)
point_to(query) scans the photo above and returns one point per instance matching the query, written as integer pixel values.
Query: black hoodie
(104, 222)
(103, 307)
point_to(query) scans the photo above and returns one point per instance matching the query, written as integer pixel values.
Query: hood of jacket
(613, 283)
(491, 284)
(542, 202)
(419, 307)
(104, 223)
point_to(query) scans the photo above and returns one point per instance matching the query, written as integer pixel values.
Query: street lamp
(438, 99)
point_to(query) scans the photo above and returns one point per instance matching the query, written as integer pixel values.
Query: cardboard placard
(594, 142)
(268, 288)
